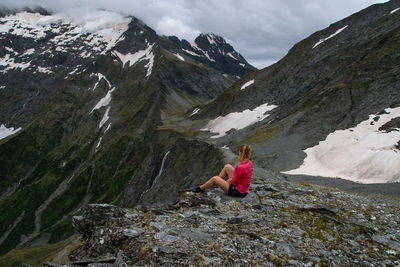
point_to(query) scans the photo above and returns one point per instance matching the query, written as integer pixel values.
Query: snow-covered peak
(212, 38)
(106, 26)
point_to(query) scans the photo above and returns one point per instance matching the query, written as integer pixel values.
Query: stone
(288, 250)
(133, 232)
(235, 220)
(386, 241)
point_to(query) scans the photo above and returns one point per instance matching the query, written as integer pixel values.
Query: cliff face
(278, 223)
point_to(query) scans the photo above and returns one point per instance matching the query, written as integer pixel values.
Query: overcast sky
(261, 30)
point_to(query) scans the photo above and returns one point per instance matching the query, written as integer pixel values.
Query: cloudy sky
(261, 30)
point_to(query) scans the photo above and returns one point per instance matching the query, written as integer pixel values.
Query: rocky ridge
(278, 223)
(214, 51)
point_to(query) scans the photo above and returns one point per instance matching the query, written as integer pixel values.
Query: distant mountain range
(104, 110)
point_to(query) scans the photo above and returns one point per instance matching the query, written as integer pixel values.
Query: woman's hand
(229, 180)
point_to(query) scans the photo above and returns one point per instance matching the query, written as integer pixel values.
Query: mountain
(86, 108)
(212, 50)
(329, 108)
(133, 119)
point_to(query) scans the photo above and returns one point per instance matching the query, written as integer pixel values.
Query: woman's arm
(237, 176)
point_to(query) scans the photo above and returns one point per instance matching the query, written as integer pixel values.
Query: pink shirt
(242, 177)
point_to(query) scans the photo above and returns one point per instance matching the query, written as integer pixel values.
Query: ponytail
(245, 151)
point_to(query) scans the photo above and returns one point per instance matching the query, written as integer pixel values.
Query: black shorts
(234, 193)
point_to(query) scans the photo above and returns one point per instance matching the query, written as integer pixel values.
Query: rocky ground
(278, 223)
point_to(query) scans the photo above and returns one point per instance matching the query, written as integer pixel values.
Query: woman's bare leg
(216, 180)
(228, 170)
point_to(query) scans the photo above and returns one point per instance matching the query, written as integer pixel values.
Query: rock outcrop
(278, 223)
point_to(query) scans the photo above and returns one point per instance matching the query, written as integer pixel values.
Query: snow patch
(44, 70)
(232, 56)
(394, 10)
(74, 71)
(191, 53)
(179, 57)
(237, 120)
(105, 101)
(194, 45)
(361, 154)
(9, 49)
(105, 117)
(140, 55)
(195, 111)
(211, 40)
(247, 84)
(9, 63)
(100, 76)
(330, 36)
(98, 144)
(29, 51)
(4, 131)
(108, 128)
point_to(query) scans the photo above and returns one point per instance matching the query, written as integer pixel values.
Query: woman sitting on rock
(239, 179)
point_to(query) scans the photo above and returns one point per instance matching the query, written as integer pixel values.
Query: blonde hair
(245, 151)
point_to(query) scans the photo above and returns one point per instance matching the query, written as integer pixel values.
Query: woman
(239, 179)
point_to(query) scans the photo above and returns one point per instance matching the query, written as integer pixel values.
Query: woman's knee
(228, 166)
(215, 178)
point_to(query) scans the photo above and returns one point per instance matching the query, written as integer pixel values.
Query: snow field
(237, 120)
(361, 154)
(4, 131)
(103, 26)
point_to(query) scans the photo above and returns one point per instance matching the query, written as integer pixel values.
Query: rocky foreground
(278, 223)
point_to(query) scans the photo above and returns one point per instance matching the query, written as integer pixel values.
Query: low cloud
(261, 30)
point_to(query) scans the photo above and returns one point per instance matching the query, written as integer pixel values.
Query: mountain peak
(212, 38)
(212, 50)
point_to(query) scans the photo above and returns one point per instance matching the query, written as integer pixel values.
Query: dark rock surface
(286, 223)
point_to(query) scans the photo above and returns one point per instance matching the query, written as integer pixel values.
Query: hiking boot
(198, 190)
